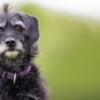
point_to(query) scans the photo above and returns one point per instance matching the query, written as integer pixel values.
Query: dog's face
(18, 34)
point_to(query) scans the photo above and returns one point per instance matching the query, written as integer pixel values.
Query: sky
(89, 8)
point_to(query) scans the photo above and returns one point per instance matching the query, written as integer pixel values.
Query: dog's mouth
(12, 59)
(11, 54)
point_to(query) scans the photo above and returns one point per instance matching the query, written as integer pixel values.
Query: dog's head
(18, 36)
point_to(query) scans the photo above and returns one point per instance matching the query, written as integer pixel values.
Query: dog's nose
(10, 42)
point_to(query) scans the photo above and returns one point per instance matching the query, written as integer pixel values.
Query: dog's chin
(12, 59)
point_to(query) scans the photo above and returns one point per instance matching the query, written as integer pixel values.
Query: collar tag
(14, 79)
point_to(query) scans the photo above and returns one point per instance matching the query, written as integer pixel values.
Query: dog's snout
(10, 42)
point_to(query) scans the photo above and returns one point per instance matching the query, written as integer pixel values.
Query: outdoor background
(69, 53)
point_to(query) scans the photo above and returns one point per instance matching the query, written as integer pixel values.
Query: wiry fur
(31, 86)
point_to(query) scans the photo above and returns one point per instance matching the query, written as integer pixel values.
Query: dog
(20, 78)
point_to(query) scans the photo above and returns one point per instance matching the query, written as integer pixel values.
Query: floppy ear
(34, 33)
(31, 23)
(34, 28)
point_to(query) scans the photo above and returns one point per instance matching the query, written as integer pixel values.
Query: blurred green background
(69, 54)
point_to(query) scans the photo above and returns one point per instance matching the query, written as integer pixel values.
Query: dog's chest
(21, 87)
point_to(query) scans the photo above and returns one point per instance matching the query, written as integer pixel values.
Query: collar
(14, 76)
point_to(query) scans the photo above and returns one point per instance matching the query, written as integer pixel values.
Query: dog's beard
(13, 64)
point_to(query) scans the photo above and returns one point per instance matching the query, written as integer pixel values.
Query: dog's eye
(1, 29)
(18, 28)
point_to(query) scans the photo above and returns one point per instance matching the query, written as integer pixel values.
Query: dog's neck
(14, 76)
(15, 66)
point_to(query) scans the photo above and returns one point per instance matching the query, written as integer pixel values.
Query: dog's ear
(34, 34)
(34, 28)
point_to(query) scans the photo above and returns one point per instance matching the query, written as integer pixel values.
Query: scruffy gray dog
(19, 76)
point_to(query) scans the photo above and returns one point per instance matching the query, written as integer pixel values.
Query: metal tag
(14, 80)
